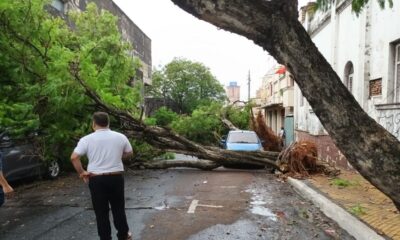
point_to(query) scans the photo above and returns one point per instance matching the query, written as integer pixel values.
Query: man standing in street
(5, 188)
(105, 150)
(282, 135)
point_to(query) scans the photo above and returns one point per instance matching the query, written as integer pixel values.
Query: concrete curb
(348, 222)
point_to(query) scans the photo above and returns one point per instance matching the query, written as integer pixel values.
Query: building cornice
(388, 106)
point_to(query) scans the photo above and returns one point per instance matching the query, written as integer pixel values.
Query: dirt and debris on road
(172, 204)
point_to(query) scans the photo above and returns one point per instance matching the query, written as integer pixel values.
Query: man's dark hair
(101, 119)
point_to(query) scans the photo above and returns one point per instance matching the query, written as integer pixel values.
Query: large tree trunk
(274, 25)
(164, 164)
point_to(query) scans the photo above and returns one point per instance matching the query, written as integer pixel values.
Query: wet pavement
(172, 204)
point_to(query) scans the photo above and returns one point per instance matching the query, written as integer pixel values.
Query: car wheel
(53, 169)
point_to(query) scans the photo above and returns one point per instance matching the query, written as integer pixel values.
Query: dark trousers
(108, 190)
(1, 196)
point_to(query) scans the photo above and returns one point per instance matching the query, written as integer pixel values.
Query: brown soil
(363, 200)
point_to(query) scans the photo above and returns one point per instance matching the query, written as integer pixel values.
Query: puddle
(161, 207)
(263, 211)
(258, 202)
(164, 206)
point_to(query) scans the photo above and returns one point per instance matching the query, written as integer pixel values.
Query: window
(397, 72)
(301, 99)
(375, 87)
(271, 89)
(348, 76)
(242, 137)
(291, 81)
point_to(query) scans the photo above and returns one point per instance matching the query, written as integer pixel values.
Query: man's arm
(8, 190)
(128, 151)
(127, 155)
(76, 162)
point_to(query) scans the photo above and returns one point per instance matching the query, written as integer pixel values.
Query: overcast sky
(175, 33)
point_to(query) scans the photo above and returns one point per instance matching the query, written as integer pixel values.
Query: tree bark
(164, 164)
(274, 26)
(229, 124)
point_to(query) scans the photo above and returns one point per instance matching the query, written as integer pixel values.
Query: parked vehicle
(21, 160)
(241, 140)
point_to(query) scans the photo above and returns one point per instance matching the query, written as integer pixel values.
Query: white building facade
(276, 100)
(364, 51)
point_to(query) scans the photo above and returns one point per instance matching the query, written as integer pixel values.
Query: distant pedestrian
(282, 135)
(5, 189)
(105, 150)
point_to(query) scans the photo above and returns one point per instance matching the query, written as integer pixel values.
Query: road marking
(210, 206)
(228, 186)
(195, 204)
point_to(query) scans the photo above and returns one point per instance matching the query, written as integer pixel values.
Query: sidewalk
(358, 197)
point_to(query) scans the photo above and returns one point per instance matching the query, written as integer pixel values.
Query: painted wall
(368, 42)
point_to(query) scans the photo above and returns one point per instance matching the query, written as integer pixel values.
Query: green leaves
(18, 118)
(240, 117)
(38, 90)
(163, 117)
(203, 126)
(189, 84)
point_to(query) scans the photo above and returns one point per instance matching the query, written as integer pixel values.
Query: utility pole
(248, 83)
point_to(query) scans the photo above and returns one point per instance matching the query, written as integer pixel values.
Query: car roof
(241, 131)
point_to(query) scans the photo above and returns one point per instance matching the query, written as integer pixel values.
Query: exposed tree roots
(300, 159)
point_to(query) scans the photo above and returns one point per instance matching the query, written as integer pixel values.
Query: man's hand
(76, 161)
(8, 191)
(85, 176)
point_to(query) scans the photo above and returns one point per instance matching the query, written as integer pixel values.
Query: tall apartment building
(233, 92)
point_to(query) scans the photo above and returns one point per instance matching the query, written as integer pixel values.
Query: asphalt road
(171, 204)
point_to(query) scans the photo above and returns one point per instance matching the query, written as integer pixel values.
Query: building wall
(366, 41)
(277, 95)
(327, 150)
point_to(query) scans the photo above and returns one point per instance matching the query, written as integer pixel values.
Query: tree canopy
(38, 90)
(189, 84)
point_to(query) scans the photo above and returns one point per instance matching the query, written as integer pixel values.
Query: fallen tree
(165, 139)
(37, 58)
(274, 26)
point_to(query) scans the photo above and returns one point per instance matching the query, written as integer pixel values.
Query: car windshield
(242, 137)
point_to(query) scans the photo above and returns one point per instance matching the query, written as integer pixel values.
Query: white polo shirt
(104, 149)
